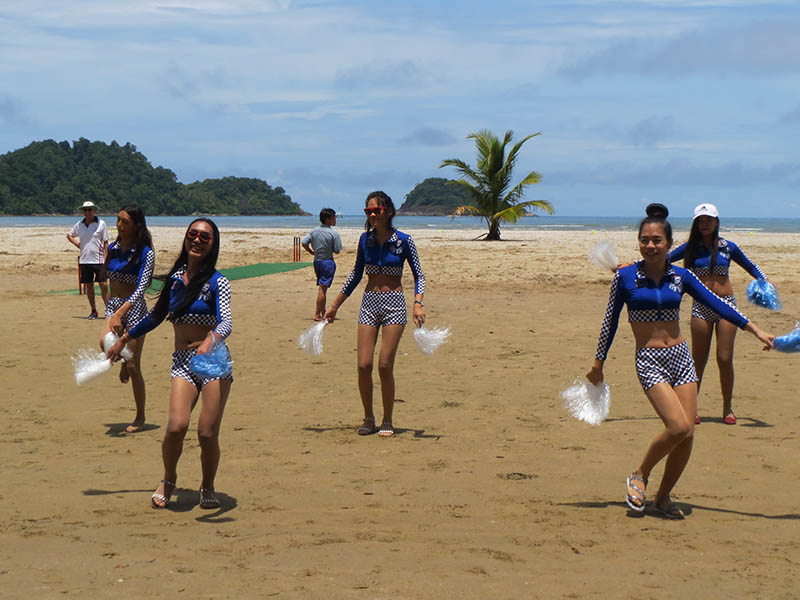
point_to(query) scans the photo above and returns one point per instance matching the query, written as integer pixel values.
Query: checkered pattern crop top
(651, 301)
(728, 251)
(212, 307)
(387, 258)
(120, 268)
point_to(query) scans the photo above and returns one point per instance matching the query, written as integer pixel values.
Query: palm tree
(489, 182)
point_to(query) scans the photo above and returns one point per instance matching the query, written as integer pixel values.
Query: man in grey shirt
(323, 242)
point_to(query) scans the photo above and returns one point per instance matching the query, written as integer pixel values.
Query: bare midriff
(120, 289)
(384, 283)
(656, 334)
(187, 334)
(719, 284)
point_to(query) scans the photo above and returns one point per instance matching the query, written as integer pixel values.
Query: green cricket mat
(232, 273)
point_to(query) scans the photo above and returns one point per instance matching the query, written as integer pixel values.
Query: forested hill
(51, 177)
(434, 196)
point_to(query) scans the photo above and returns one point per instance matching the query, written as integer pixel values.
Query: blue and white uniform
(374, 258)
(728, 251)
(122, 267)
(649, 301)
(212, 308)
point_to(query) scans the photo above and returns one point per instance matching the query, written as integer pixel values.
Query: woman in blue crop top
(382, 251)
(197, 299)
(129, 267)
(653, 289)
(709, 257)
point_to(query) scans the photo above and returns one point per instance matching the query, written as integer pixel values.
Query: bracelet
(420, 302)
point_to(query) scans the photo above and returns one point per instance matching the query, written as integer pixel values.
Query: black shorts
(91, 273)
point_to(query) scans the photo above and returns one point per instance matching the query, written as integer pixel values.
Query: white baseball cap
(88, 204)
(708, 210)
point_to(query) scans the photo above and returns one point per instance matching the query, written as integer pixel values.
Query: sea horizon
(543, 222)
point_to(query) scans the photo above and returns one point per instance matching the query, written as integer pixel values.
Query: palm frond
(517, 192)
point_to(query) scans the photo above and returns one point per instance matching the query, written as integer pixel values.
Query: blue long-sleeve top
(388, 258)
(212, 307)
(121, 267)
(651, 301)
(728, 251)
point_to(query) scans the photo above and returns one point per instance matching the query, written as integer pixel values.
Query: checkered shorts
(701, 311)
(673, 365)
(383, 308)
(136, 312)
(180, 368)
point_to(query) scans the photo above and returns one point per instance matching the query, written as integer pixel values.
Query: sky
(679, 102)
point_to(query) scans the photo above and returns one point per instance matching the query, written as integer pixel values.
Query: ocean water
(544, 222)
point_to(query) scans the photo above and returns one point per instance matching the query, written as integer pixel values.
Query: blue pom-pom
(789, 342)
(762, 293)
(214, 363)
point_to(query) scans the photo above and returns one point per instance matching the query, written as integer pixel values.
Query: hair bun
(657, 210)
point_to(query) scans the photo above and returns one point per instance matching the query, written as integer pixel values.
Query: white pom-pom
(112, 338)
(603, 256)
(429, 340)
(311, 339)
(89, 364)
(587, 402)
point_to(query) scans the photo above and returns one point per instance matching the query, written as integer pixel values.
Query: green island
(54, 178)
(434, 196)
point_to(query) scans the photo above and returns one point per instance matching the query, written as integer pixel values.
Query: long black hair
(143, 237)
(207, 268)
(657, 213)
(695, 244)
(386, 202)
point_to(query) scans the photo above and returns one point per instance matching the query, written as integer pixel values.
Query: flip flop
(387, 430)
(672, 511)
(641, 497)
(208, 499)
(162, 497)
(367, 427)
(729, 419)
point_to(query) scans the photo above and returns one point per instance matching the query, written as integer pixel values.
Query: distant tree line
(51, 177)
(434, 197)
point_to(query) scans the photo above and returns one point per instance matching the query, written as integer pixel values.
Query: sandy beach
(490, 489)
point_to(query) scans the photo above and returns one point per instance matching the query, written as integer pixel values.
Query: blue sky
(678, 102)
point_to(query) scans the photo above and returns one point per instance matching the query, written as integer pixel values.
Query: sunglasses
(203, 236)
(375, 210)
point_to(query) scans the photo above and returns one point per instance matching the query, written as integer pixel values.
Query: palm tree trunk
(494, 230)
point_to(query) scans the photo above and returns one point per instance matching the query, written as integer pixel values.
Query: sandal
(367, 427)
(670, 511)
(208, 499)
(640, 496)
(387, 429)
(729, 419)
(162, 497)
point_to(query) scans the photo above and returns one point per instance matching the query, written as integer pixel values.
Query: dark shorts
(325, 270)
(180, 368)
(91, 273)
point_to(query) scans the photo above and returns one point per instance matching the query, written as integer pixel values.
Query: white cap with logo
(707, 210)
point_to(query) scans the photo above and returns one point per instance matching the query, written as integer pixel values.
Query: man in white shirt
(91, 237)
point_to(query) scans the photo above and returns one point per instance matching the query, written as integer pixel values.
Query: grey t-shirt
(324, 241)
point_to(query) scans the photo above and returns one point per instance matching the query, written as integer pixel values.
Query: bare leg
(104, 292)
(726, 336)
(90, 296)
(182, 398)
(134, 372)
(322, 291)
(215, 396)
(702, 331)
(679, 455)
(367, 337)
(390, 339)
(675, 408)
